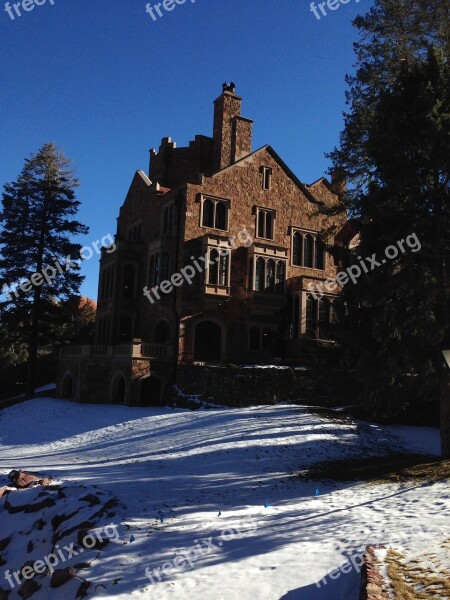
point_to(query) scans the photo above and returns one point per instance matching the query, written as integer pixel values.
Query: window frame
(303, 234)
(218, 267)
(168, 218)
(266, 211)
(215, 200)
(268, 287)
(267, 173)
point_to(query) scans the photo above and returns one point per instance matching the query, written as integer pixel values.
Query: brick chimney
(232, 133)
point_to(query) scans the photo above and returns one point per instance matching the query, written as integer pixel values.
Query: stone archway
(208, 341)
(118, 389)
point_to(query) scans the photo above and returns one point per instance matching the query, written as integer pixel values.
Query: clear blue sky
(105, 82)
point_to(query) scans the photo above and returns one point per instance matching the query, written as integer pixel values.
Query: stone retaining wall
(236, 386)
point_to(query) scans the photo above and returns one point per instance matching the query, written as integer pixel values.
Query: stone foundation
(236, 386)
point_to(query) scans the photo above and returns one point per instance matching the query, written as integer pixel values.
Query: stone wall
(233, 386)
(372, 587)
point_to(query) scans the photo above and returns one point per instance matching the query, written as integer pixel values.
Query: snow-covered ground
(223, 481)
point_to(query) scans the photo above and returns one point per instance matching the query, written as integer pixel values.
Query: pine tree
(39, 264)
(393, 33)
(398, 315)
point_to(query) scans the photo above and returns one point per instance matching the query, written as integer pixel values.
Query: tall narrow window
(270, 275)
(168, 218)
(309, 251)
(208, 213)
(213, 272)
(297, 249)
(265, 220)
(267, 178)
(221, 216)
(219, 269)
(259, 274)
(296, 317)
(223, 268)
(311, 316)
(280, 277)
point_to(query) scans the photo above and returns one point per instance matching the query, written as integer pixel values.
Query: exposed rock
(87, 532)
(4, 543)
(91, 498)
(62, 576)
(83, 590)
(28, 588)
(372, 587)
(4, 594)
(22, 480)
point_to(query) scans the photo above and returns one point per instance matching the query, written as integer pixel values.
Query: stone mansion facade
(215, 248)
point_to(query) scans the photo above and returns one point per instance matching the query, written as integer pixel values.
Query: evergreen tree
(39, 264)
(397, 316)
(393, 33)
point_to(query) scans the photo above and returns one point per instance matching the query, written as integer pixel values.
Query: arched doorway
(208, 341)
(67, 387)
(151, 392)
(118, 389)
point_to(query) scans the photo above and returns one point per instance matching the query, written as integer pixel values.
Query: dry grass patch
(391, 468)
(413, 581)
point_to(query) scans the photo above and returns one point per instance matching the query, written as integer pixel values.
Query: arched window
(215, 214)
(128, 282)
(221, 216)
(162, 333)
(259, 274)
(309, 251)
(297, 248)
(208, 213)
(320, 254)
(280, 277)
(270, 276)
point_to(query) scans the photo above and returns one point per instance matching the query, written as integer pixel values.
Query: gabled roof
(283, 165)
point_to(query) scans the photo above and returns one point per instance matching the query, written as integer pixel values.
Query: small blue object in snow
(162, 519)
(219, 514)
(132, 538)
(317, 492)
(266, 505)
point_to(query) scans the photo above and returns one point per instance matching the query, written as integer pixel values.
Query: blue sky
(105, 82)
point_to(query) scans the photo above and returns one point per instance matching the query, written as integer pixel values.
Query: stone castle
(215, 250)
